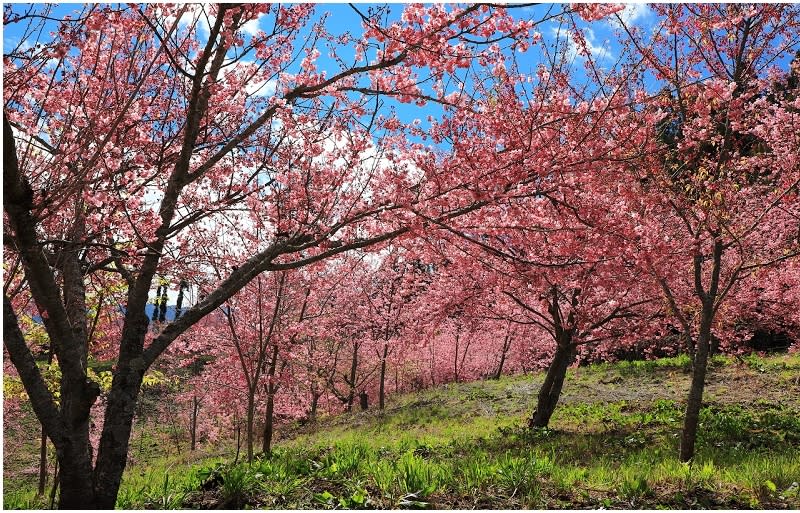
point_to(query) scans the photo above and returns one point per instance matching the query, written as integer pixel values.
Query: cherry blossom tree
(251, 350)
(389, 292)
(214, 150)
(717, 198)
(553, 251)
(135, 129)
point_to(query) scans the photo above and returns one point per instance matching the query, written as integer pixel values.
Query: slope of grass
(612, 444)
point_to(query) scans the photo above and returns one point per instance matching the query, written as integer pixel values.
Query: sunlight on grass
(449, 448)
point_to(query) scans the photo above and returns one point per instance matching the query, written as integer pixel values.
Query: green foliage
(103, 378)
(663, 411)
(694, 476)
(237, 481)
(156, 378)
(23, 499)
(356, 497)
(634, 487)
(415, 476)
(344, 460)
(517, 474)
(165, 498)
(749, 428)
(453, 452)
(162, 481)
(13, 388)
(633, 368)
(382, 475)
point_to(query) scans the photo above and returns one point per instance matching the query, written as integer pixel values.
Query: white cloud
(198, 16)
(251, 27)
(205, 20)
(598, 49)
(262, 88)
(631, 15)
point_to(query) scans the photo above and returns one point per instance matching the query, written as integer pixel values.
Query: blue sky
(342, 18)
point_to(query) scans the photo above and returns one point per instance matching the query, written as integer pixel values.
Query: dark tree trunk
(118, 422)
(382, 388)
(554, 379)
(464, 355)
(249, 421)
(238, 430)
(154, 316)
(551, 388)
(700, 362)
(351, 396)
(68, 428)
(455, 360)
(43, 447)
(433, 363)
(506, 347)
(54, 488)
(363, 400)
(269, 427)
(695, 400)
(179, 301)
(272, 388)
(193, 428)
(162, 305)
(75, 478)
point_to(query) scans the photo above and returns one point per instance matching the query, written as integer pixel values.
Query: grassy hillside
(612, 444)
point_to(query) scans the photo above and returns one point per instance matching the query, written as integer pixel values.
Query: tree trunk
(464, 355)
(382, 389)
(272, 388)
(75, 478)
(113, 452)
(506, 347)
(551, 388)
(251, 406)
(700, 362)
(154, 316)
(352, 382)
(455, 360)
(162, 305)
(195, 411)
(266, 446)
(695, 401)
(433, 363)
(312, 416)
(54, 488)
(43, 448)
(179, 301)
(238, 430)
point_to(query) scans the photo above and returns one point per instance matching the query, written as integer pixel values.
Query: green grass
(162, 483)
(464, 446)
(640, 367)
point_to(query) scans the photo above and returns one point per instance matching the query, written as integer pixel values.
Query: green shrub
(633, 488)
(164, 497)
(416, 476)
